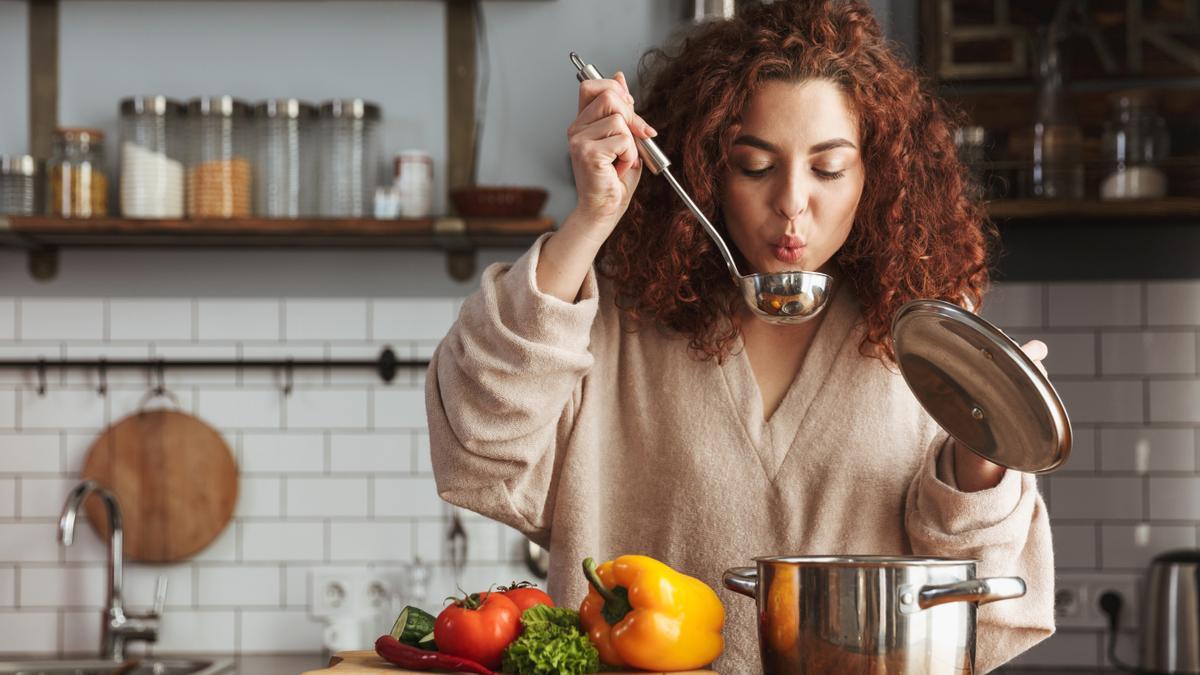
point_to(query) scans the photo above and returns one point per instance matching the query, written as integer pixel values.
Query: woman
(610, 393)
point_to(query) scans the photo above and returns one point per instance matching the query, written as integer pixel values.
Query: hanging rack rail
(385, 365)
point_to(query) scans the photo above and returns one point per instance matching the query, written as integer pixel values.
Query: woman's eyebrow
(830, 145)
(756, 142)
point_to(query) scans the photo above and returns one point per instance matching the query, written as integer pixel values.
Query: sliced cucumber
(427, 643)
(412, 625)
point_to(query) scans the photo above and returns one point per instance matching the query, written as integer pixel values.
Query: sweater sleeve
(1007, 529)
(501, 391)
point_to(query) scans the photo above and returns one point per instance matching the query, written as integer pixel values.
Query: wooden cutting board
(175, 478)
(369, 662)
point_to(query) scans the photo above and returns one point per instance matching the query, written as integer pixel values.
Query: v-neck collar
(773, 438)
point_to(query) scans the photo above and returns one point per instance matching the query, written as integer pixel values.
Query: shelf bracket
(43, 263)
(460, 253)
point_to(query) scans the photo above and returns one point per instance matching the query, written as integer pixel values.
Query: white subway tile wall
(336, 476)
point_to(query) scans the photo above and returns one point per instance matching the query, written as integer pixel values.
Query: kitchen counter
(294, 664)
(277, 664)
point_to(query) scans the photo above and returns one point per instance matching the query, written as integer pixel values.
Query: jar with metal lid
(285, 167)
(18, 185)
(1135, 144)
(349, 131)
(77, 186)
(219, 169)
(413, 177)
(151, 158)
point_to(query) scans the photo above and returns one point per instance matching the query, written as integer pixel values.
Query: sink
(147, 666)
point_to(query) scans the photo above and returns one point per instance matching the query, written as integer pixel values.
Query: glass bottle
(1135, 143)
(1055, 160)
(77, 186)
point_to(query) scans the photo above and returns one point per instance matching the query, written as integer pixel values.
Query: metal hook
(159, 389)
(288, 377)
(160, 380)
(41, 375)
(103, 377)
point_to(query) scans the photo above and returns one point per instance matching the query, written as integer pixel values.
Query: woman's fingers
(620, 78)
(608, 141)
(1037, 351)
(600, 98)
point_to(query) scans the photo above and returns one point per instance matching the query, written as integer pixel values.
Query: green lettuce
(551, 643)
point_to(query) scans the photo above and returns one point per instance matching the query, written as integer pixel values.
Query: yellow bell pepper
(641, 613)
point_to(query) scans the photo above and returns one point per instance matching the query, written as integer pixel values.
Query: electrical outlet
(1077, 600)
(333, 594)
(376, 592)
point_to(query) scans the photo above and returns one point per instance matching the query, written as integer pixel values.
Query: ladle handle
(650, 152)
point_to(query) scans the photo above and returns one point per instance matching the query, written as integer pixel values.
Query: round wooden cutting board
(175, 478)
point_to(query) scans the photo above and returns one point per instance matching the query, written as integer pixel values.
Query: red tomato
(525, 595)
(479, 627)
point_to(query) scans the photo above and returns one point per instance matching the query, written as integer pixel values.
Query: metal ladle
(775, 297)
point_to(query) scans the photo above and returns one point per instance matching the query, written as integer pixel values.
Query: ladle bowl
(786, 298)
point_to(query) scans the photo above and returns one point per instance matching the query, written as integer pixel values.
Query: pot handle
(742, 580)
(980, 591)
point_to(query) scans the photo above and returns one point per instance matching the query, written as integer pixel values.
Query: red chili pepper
(407, 656)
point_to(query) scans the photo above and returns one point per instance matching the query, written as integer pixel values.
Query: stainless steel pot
(867, 614)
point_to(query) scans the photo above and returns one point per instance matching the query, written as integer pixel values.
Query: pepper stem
(616, 600)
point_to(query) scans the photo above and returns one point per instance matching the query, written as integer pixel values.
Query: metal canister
(18, 185)
(285, 167)
(350, 154)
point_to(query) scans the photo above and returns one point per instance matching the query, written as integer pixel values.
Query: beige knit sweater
(596, 441)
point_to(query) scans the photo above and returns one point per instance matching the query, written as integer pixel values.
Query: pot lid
(981, 387)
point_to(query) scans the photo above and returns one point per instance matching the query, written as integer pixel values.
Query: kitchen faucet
(116, 628)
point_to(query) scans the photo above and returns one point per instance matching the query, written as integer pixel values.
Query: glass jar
(18, 185)
(1135, 144)
(285, 163)
(219, 173)
(349, 131)
(413, 177)
(151, 158)
(77, 186)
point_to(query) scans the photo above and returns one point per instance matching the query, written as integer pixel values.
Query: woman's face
(795, 176)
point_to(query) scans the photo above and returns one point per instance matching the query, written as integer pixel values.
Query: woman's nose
(792, 198)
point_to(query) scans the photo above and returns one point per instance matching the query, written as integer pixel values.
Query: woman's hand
(974, 473)
(604, 155)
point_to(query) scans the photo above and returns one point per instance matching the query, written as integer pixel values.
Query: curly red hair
(919, 231)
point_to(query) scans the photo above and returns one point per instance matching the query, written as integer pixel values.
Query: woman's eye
(829, 175)
(755, 173)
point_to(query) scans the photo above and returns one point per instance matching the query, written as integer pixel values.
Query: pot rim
(866, 560)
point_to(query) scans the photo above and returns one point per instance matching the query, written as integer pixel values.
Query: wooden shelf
(1048, 240)
(1132, 210)
(459, 238)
